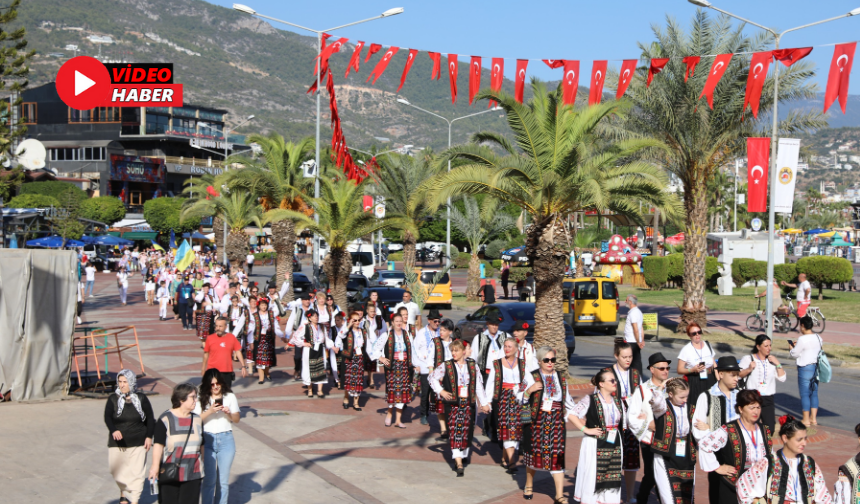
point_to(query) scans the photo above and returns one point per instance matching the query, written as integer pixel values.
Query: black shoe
(346, 405)
(460, 472)
(442, 437)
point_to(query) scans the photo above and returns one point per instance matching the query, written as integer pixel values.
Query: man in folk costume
(503, 388)
(239, 317)
(326, 315)
(422, 359)
(298, 317)
(792, 478)
(641, 418)
(227, 300)
(394, 351)
(440, 353)
(487, 349)
(673, 445)
(714, 408)
(350, 342)
(315, 342)
(262, 329)
(459, 385)
(628, 379)
(847, 489)
(277, 306)
(525, 350)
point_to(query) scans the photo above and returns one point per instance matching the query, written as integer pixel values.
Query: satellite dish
(31, 154)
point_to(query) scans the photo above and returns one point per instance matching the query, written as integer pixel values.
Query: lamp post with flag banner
(773, 159)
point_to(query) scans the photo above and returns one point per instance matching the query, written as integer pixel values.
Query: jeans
(186, 314)
(218, 453)
(89, 289)
(808, 387)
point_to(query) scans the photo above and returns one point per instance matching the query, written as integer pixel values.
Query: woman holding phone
(696, 362)
(219, 410)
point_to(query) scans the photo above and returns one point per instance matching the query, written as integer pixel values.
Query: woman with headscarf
(262, 329)
(131, 424)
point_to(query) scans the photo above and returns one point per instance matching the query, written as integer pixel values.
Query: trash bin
(482, 271)
(390, 265)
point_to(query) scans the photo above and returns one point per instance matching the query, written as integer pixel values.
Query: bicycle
(758, 320)
(818, 318)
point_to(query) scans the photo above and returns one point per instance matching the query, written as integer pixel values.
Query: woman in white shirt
(806, 351)
(761, 370)
(350, 341)
(219, 410)
(696, 362)
(122, 283)
(163, 297)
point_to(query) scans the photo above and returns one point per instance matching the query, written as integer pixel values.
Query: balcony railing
(190, 161)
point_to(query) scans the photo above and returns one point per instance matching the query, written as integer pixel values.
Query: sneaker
(424, 420)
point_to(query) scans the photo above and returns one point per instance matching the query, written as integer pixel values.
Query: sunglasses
(695, 333)
(611, 380)
(548, 360)
(662, 368)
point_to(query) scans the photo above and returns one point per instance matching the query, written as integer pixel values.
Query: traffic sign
(83, 83)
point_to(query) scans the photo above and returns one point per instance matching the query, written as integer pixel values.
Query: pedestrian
(804, 293)
(238, 316)
(162, 295)
(761, 369)
(414, 318)
(793, 476)
(442, 352)
(394, 351)
(545, 435)
(374, 327)
(487, 294)
(90, 271)
(750, 443)
(219, 350)
(79, 308)
(351, 340)
(122, 284)
(848, 482)
(298, 317)
(696, 362)
(184, 304)
(503, 389)
(673, 444)
(506, 273)
(205, 305)
(177, 445)
(633, 331)
(315, 343)
(640, 419)
(262, 329)
(129, 419)
(149, 290)
(459, 385)
(218, 408)
(249, 260)
(628, 379)
(805, 352)
(422, 359)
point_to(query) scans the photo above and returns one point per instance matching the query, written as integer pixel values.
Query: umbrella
(111, 241)
(828, 234)
(54, 242)
(792, 231)
(838, 241)
(516, 255)
(815, 231)
(196, 236)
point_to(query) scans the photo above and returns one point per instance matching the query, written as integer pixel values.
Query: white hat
(217, 270)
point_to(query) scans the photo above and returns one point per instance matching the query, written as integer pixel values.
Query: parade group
(718, 413)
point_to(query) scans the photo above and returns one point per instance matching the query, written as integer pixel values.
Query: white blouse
(265, 322)
(509, 375)
(756, 447)
(611, 412)
(357, 339)
(806, 350)
(763, 377)
(752, 485)
(569, 404)
(438, 375)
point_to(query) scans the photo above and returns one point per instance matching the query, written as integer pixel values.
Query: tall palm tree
(561, 161)
(276, 177)
(700, 139)
(238, 208)
(479, 225)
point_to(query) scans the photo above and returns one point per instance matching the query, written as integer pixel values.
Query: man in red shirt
(219, 349)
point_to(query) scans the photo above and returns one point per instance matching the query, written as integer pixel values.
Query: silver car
(388, 278)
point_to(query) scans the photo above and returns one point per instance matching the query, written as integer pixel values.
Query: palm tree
(583, 239)
(700, 139)
(276, 177)
(479, 226)
(239, 209)
(561, 161)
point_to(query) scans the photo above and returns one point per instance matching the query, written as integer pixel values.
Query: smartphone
(702, 363)
(790, 343)
(219, 402)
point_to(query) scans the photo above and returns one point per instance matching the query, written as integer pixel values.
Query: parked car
(442, 293)
(476, 322)
(301, 284)
(394, 278)
(297, 265)
(388, 296)
(591, 304)
(395, 247)
(355, 285)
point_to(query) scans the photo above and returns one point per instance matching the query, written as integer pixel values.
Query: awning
(78, 143)
(135, 235)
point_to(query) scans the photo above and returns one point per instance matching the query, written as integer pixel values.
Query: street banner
(787, 154)
(758, 150)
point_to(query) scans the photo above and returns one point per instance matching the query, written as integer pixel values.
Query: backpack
(823, 371)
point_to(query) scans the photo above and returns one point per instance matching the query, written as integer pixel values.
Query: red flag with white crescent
(655, 67)
(452, 75)
(374, 48)
(474, 77)
(759, 65)
(791, 56)
(520, 80)
(628, 68)
(409, 60)
(758, 152)
(691, 62)
(718, 68)
(554, 63)
(383, 64)
(598, 76)
(570, 82)
(497, 76)
(837, 79)
(437, 65)
(330, 49)
(355, 59)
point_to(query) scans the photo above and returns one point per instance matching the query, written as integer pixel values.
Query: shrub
(518, 273)
(33, 201)
(395, 256)
(54, 188)
(754, 270)
(455, 254)
(785, 273)
(825, 270)
(712, 271)
(105, 209)
(494, 249)
(262, 256)
(656, 271)
(675, 268)
(738, 270)
(497, 263)
(462, 260)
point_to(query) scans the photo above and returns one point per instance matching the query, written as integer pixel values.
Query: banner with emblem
(786, 174)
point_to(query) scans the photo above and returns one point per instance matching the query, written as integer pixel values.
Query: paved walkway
(290, 448)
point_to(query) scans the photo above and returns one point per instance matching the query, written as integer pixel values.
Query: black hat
(521, 325)
(498, 319)
(728, 363)
(434, 314)
(656, 358)
(304, 296)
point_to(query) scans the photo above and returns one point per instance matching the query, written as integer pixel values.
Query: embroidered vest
(535, 399)
(734, 453)
(389, 347)
(777, 480)
(499, 374)
(596, 417)
(716, 411)
(665, 433)
(633, 379)
(309, 338)
(258, 327)
(851, 469)
(439, 355)
(300, 314)
(484, 349)
(349, 342)
(239, 331)
(451, 381)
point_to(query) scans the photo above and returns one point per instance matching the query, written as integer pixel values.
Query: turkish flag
(656, 67)
(837, 79)
(355, 59)
(759, 65)
(474, 77)
(374, 48)
(758, 156)
(520, 80)
(570, 82)
(789, 57)
(598, 75)
(367, 203)
(383, 64)
(691, 62)
(628, 68)
(330, 49)
(718, 68)
(437, 70)
(452, 75)
(409, 60)
(554, 63)
(497, 76)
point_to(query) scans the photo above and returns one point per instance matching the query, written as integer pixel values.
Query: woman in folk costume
(549, 406)
(737, 446)
(326, 320)
(394, 351)
(204, 308)
(459, 385)
(792, 477)
(404, 314)
(350, 340)
(602, 417)
(503, 388)
(847, 490)
(628, 380)
(315, 342)
(374, 326)
(262, 329)
(239, 318)
(673, 444)
(440, 353)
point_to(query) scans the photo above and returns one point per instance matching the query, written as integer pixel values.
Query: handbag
(169, 472)
(823, 371)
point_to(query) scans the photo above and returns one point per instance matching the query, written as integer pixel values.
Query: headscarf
(132, 395)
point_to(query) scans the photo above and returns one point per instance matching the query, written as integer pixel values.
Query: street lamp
(450, 122)
(771, 217)
(319, 33)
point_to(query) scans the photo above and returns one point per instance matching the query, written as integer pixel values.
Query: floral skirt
(204, 324)
(398, 385)
(265, 351)
(544, 440)
(510, 426)
(461, 425)
(353, 378)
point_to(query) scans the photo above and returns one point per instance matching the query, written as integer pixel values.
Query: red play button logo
(83, 83)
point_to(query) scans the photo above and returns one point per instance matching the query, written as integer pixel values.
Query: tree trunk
(337, 267)
(218, 229)
(474, 282)
(693, 308)
(284, 242)
(408, 250)
(546, 251)
(237, 246)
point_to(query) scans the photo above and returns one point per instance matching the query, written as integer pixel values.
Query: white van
(362, 258)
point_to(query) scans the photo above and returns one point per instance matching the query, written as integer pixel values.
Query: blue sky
(580, 30)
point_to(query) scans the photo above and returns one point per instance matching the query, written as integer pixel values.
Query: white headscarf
(132, 395)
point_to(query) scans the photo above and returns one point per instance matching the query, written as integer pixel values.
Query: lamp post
(771, 216)
(226, 134)
(319, 33)
(450, 122)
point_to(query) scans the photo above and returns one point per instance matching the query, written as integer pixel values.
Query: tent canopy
(815, 231)
(196, 236)
(54, 242)
(792, 231)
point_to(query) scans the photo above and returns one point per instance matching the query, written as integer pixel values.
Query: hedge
(670, 268)
(738, 269)
(785, 273)
(33, 201)
(656, 271)
(395, 256)
(262, 256)
(754, 270)
(518, 273)
(494, 249)
(712, 271)
(462, 260)
(497, 263)
(825, 270)
(675, 268)
(55, 188)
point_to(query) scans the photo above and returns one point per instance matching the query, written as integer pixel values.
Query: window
(609, 291)
(587, 290)
(78, 154)
(136, 198)
(362, 258)
(98, 114)
(28, 113)
(156, 124)
(427, 278)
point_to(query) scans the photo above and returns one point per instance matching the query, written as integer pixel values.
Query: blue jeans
(808, 387)
(219, 450)
(89, 290)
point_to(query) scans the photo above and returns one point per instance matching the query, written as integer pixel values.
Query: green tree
(563, 160)
(162, 215)
(10, 182)
(105, 209)
(825, 270)
(700, 139)
(33, 201)
(55, 188)
(238, 208)
(65, 219)
(14, 69)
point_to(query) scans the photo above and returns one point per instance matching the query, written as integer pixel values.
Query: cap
(217, 270)
(521, 325)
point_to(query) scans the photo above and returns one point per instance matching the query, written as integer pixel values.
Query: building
(134, 153)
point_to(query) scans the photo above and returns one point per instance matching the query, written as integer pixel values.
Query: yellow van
(441, 296)
(591, 304)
